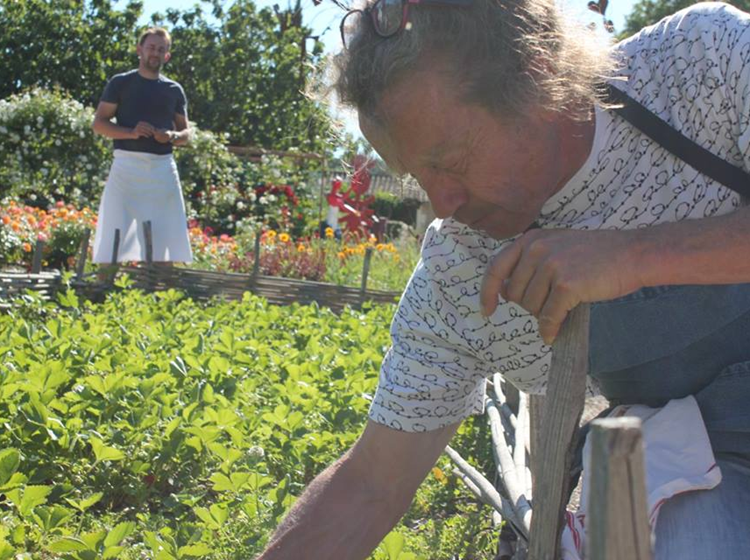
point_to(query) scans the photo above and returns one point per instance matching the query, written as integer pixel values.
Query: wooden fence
(198, 284)
(534, 454)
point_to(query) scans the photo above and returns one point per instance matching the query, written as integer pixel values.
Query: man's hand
(143, 129)
(549, 272)
(163, 136)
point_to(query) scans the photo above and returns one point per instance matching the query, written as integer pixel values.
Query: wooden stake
(116, 246)
(36, 265)
(149, 243)
(617, 520)
(566, 391)
(83, 253)
(365, 273)
(256, 263)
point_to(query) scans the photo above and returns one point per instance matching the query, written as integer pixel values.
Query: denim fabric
(669, 342)
(708, 524)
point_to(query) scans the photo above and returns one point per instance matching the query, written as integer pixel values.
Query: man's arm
(103, 124)
(179, 136)
(348, 509)
(549, 272)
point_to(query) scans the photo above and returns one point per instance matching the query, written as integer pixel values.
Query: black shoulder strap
(688, 151)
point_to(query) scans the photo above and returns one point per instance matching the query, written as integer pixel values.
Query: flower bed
(325, 259)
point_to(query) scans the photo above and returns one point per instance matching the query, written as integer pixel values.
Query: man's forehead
(424, 116)
(155, 40)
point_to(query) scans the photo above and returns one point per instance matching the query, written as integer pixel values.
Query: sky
(325, 18)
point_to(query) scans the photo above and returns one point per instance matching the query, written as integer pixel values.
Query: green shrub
(388, 205)
(48, 150)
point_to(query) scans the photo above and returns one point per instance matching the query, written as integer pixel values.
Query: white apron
(141, 187)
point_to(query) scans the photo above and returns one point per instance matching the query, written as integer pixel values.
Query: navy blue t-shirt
(141, 99)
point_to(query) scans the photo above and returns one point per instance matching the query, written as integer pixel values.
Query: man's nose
(445, 199)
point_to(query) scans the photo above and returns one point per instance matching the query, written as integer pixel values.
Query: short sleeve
(426, 381)
(181, 106)
(443, 348)
(113, 90)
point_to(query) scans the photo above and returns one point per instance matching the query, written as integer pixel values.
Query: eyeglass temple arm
(444, 2)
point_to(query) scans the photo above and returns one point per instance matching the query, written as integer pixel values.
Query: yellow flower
(379, 247)
(270, 234)
(342, 255)
(284, 237)
(300, 248)
(372, 238)
(329, 233)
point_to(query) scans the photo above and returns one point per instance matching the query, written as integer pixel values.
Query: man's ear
(167, 57)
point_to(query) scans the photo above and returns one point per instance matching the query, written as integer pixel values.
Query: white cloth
(676, 461)
(142, 187)
(689, 69)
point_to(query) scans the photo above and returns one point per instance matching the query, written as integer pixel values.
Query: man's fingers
(559, 303)
(499, 270)
(537, 292)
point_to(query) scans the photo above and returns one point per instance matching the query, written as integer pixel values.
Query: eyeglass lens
(388, 15)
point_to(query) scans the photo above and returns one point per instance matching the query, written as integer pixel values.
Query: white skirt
(142, 187)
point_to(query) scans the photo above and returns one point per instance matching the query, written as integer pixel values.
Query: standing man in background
(143, 183)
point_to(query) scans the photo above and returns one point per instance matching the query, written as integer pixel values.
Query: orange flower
(27, 247)
(284, 237)
(329, 233)
(6, 220)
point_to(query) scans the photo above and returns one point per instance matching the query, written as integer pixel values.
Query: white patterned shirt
(691, 69)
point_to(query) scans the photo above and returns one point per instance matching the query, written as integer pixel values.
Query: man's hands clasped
(145, 129)
(549, 272)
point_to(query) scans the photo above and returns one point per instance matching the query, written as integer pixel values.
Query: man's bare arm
(103, 124)
(179, 136)
(548, 272)
(348, 509)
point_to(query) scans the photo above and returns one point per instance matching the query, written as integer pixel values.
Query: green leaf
(120, 532)
(393, 544)
(68, 544)
(104, 452)
(93, 540)
(10, 460)
(199, 549)
(112, 552)
(49, 518)
(6, 551)
(16, 480)
(222, 483)
(28, 498)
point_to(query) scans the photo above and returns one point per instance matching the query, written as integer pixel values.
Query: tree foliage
(244, 70)
(647, 12)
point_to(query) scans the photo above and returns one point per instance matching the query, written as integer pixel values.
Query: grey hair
(508, 56)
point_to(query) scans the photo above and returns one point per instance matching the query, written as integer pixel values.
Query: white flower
(57, 142)
(3, 130)
(40, 120)
(256, 452)
(26, 129)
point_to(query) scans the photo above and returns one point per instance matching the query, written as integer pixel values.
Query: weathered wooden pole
(116, 247)
(83, 253)
(365, 274)
(148, 237)
(565, 399)
(256, 262)
(617, 520)
(36, 264)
